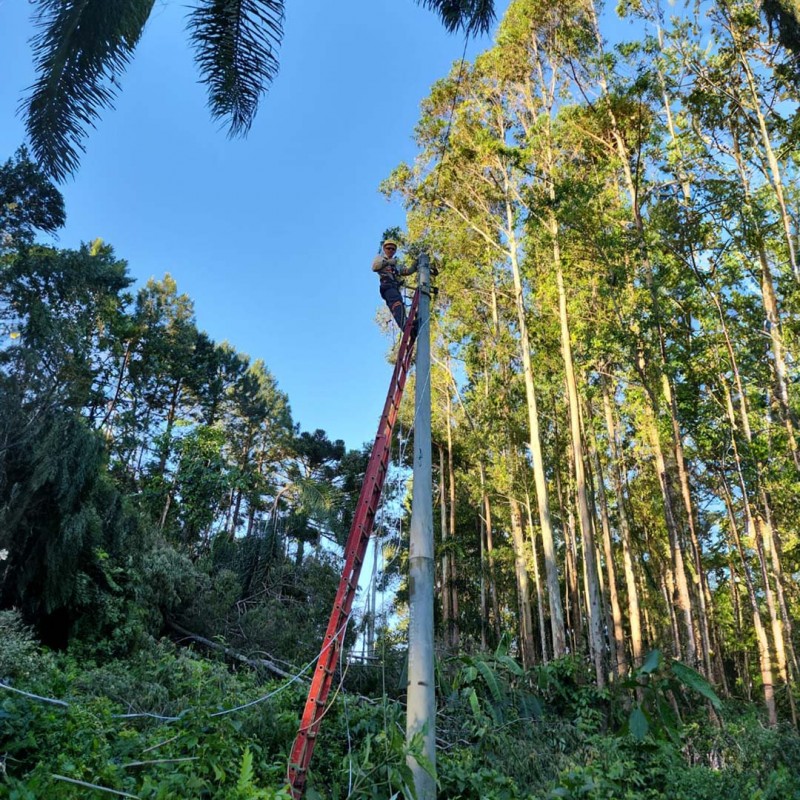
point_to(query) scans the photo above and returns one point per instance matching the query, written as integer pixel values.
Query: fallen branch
(252, 662)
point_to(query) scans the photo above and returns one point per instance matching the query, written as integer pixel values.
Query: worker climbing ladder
(355, 552)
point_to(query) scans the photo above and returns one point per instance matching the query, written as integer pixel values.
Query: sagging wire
(343, 669)
(149, 715)
(402, 443)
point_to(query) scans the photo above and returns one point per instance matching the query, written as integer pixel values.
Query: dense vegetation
(616, 412)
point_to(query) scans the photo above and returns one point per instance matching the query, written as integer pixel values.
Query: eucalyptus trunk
(538, 581)
(526, 640)
(444, 575)
(487, 517)
(634, 616)
(593, 598)
(618, 654)
(452, 584)
(540, 479)
(764, 659)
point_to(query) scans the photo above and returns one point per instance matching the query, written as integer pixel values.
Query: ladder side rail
(355, 551)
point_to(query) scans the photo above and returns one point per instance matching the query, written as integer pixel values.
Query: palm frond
(235, 44)
(473, 16)
(80, 50)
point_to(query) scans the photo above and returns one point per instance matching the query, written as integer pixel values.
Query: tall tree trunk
(445, 566)
(572, 597)
(759, 530)
(761, 636)
(540, 479)
(452, 585)
(593, 600)
(523, 586)
(634, 616)
(618, 655)
(772, 312)
(117, 391)
(484, 600)
(166, 448)
(538, 582)
(487, 516)
(681, 599)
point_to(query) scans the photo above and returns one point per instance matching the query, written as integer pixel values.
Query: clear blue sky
(271, 236)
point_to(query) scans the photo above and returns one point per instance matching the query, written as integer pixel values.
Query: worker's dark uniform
(390, 273)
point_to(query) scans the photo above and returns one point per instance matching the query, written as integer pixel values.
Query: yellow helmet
(390, 242)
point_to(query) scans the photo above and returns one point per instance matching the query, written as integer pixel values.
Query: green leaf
(651, 663)
(245, 781)
(694, 680)
(502, 647)
(491, 680)
(638, 724)
(80, 51)
(474, 704)
(236, 44)
(510, 665)
(426, 764)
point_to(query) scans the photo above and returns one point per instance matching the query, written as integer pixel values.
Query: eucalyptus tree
(480, 184)
(729, 145)
(83, 46)
(535, 45)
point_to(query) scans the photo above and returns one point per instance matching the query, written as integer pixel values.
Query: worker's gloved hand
(434, 269)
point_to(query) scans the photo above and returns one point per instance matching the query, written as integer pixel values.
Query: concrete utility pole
(421, 713)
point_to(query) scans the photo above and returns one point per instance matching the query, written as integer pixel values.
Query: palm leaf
(235, 44)
(80, 49)
(474, 16)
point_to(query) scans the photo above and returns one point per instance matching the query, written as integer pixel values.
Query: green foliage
(28, 202)
(66, 530)
(661, 688)
(362, 752)
(20, 656)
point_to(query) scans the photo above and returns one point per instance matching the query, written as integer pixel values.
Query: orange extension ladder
(355, 550)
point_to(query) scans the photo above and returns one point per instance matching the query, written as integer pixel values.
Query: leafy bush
(20, 656)
(495, 742)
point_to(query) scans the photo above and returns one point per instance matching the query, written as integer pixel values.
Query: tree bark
(761, 636)
(527, 649)
(634, 616)
(542, 495)
(618, 654)
(593, 600)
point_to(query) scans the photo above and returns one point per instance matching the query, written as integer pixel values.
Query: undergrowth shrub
(20, 655)
(502, 733)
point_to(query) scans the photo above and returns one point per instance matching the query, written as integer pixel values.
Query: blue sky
(271, 236)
